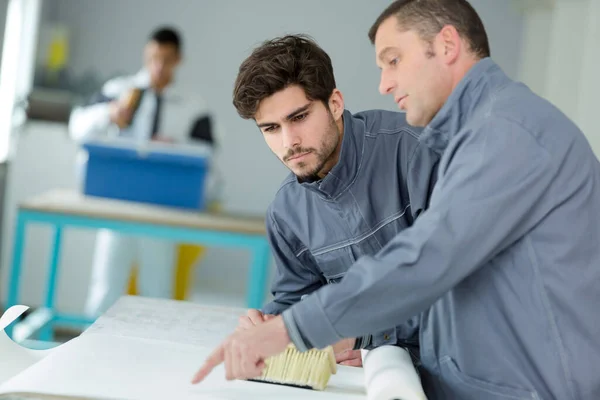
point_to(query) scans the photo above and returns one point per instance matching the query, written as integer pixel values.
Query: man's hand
(253, 318)
(121, 110)
(162, 139)
(344, 355)
(120, 113)
(244, 352)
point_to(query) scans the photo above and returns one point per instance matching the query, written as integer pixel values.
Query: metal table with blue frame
(61, 209)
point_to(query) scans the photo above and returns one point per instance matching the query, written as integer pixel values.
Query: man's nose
(290, 138)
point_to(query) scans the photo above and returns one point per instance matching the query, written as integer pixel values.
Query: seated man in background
(356, 179)
(141, 108)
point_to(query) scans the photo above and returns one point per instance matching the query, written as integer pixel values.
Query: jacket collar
(344, 172)
(472, 92)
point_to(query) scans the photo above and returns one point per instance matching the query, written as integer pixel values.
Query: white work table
(149, 349)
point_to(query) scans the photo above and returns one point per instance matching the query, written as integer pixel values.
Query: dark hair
(165, 35)
(428, 17)
(279, 63)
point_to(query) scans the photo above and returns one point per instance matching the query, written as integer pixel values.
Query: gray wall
(108, 36)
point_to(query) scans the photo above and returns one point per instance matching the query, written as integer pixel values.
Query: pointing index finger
(216, 358)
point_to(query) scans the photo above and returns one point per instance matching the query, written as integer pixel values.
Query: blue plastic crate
(163, 178)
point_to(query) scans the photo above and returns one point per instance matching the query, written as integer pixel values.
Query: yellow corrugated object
(311, 369)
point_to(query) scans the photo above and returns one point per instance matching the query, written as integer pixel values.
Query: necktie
(157, 111)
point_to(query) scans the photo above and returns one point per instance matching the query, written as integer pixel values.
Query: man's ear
(449, 44)
(178, 59)
(336, 104)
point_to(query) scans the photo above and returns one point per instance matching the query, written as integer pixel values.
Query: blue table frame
(44, 319)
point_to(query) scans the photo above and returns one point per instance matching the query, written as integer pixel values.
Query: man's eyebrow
(291, 115)
(266, 124)
(298, 111)
(384, 52)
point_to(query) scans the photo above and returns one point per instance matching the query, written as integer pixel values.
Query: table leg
(15, 269)
(46, 333)
(257, 281)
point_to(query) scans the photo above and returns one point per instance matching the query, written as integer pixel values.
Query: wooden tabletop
(70, 202)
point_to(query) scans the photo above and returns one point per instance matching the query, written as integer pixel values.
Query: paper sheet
(13, 357)
(168, 320)
(112, 367)
(390, 375)
(149, 349)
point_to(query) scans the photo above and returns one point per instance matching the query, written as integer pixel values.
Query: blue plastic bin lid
(193, 155)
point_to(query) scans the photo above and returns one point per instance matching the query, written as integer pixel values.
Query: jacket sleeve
(293, 279)
(91, 121)
(88, 123)
(490, 193)
(421, 171)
